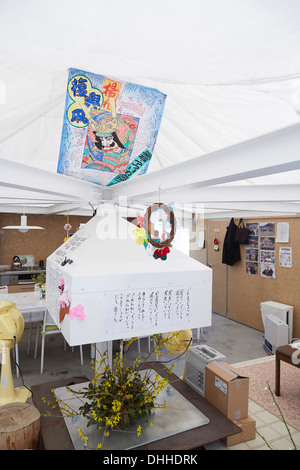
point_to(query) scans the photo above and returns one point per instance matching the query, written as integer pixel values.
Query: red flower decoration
(140, 221)
(161, 253)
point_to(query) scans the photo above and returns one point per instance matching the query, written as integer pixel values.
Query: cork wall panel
(39, 243)
(246, 291)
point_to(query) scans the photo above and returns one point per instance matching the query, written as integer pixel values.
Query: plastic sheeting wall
(229, 69)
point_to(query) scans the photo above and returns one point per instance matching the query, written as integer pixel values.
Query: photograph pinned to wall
(267, 270)
(285, 257)
(251, 263)
(253, 229)
(110, 128)
(251, 268)
(267, 243)
(267, 249)
(267, 229)
(267, 256)
(252, 242)
(251, 254)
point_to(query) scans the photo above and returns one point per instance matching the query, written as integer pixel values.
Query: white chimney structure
(118, 291)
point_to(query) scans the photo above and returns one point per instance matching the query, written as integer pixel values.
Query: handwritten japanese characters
(132, 310)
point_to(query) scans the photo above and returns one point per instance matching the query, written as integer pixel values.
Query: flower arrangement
(119, 396)
(40, 281)
(116, 398)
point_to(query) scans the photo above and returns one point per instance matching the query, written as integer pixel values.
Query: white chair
(32, 318)
(48, 327)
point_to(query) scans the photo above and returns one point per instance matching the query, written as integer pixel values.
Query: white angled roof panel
(106, 263)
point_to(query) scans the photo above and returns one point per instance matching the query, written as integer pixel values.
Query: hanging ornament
(142, 236)
(216, 245)
(67, 228)
(64, 303)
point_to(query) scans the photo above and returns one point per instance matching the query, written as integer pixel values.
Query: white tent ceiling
(231, 72)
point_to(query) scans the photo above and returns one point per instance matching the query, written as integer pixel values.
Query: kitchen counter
(11, 277)
(23, 271)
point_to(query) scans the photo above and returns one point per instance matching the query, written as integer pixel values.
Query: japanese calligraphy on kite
(110, 128)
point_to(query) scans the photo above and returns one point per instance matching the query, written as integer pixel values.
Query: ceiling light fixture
(23, 228)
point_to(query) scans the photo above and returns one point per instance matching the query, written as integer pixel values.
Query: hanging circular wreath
(157, 243)
(144, 237)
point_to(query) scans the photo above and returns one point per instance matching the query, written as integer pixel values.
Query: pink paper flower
(77, 312)
(63, 299)
(140, 221)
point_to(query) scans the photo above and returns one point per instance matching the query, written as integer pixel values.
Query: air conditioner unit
(281, 311)
(276, 333)
(196, 361)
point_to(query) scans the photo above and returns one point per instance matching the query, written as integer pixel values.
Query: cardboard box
(227, 390)
(248, 427)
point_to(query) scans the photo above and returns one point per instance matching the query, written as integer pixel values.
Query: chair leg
(29, 338)
(42, 353)
(36, 340)
(43, 348)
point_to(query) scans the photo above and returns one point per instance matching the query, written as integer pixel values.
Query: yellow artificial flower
(140, 236)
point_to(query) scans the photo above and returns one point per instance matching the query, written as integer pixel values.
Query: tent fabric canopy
(230, 71)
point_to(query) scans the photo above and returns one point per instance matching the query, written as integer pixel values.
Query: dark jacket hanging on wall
(231, 250)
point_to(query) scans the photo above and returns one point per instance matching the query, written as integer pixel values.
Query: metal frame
(216, 181)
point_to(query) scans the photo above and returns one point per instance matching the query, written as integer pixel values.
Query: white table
(31, 306)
